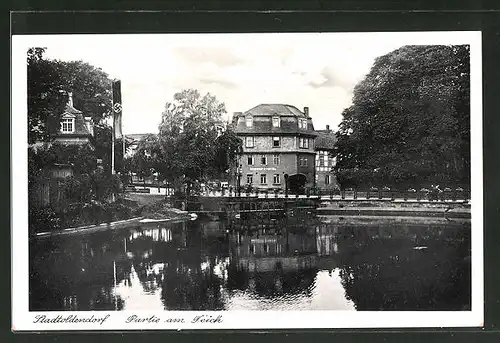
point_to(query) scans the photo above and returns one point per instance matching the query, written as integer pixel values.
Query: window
(321, 160)
(249, 121)
(327, 179)
(276, 121)
(250, 160)
(263, 179)
(249, 142)
(67, 125)
(303, 161)
(303, 124)
(276, 159)
(263, 160)
(303, 143)
(276, 179)
(276, 142)
(249, 178)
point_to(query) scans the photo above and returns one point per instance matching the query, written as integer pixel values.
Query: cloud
(241, 70)
(218, 81)
(333, 77)
(220, 56)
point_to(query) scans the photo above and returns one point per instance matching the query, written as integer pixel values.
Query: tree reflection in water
(424, 269)
(199, 266)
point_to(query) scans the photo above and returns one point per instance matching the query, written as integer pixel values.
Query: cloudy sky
(318, 70)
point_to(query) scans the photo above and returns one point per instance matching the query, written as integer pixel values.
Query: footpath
(451, 211)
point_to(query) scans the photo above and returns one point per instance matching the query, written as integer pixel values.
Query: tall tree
(46, 95)
(91, 88)
(410, 120)
(193, 144)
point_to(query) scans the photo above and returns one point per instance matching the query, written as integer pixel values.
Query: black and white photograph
(263, 180)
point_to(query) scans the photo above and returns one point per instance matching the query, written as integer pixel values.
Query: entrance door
(296, 183)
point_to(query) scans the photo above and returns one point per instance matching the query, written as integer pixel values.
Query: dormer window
(276, 121)
(303, 124)
(68, 125)
(249, 121)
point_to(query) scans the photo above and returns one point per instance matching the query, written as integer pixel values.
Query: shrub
(43, 219)
(118, 211)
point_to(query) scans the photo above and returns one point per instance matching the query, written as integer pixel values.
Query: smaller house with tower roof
(75, 128)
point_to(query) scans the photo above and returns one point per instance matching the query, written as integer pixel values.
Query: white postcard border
(24, 320)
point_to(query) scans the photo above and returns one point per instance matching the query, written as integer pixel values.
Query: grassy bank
(127, 206)
(151, 206)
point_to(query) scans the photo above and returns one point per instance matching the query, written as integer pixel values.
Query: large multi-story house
(278, 145)
(325, 178)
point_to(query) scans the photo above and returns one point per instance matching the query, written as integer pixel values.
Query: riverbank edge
(396, 212)
(107, 226)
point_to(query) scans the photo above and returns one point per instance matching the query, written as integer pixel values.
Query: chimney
(306, 111)
(327, 127)
(236, 116)
(70, 99)
(89, 123)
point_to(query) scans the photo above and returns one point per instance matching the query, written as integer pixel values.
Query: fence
(353, 194)
(347, 194)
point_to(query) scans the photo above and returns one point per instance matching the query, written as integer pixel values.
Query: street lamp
(239, 180)
(286, 185)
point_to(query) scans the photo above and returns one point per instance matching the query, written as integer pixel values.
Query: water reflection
(334, 265)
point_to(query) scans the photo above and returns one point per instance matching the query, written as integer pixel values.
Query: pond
(336, 263)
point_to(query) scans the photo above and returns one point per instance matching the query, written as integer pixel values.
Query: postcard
(247, 181)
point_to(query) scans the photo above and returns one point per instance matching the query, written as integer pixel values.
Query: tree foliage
(91, 88)
(147, 157)
(192, 145)
(410, 120)
(81, 158)
(46, 95)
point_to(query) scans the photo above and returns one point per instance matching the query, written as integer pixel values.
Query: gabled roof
(71, 110)
(262, 120)
(275, 109)
(325, 140)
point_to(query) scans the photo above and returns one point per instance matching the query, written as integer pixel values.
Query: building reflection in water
(200, 266)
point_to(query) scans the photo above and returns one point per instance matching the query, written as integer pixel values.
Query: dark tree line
(409, 124)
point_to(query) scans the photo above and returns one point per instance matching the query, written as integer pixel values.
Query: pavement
(450, 212)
